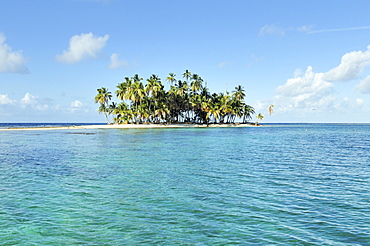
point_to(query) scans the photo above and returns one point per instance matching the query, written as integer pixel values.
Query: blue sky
(311, 59)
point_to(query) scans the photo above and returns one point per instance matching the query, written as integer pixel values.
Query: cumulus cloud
(364, 85)
(82, 47)
(11, 61)
(78, 106)
(307, 91)
(314, 93)
(4, 99)
(33, 102)
(32, 108)
(271, 30)
(352, 64)
(28, 99)
(115, 62)
(307, 84)
(311, 96)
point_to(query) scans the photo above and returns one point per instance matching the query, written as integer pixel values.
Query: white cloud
(307, 84)
(78, 106)
(32, 101)
(360, 101)
(279, 31)
(304, 92)
(346, 104)
(350, 67)
(364, 85)
(82, 47)
(11, 61)
(32, 108)
(271, 30)
(115, 62)
(339, 29)
(28, 99)
(307, 29)
(4, 99)
(312, 96)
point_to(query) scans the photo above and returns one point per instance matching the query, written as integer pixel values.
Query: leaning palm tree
(271, 109)
(103, 98)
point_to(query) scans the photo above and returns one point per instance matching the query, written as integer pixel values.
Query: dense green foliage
(187, 100)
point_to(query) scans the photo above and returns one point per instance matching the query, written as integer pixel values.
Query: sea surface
(283, 184)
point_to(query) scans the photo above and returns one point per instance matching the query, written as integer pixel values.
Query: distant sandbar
(126, 126)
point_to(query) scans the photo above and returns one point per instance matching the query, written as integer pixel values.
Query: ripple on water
(272, 185)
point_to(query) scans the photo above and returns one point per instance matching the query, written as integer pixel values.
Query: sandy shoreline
(124, 126)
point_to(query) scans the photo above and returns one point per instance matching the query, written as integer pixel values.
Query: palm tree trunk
(106, 118)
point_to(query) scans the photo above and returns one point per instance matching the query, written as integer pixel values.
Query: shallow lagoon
(283, 184)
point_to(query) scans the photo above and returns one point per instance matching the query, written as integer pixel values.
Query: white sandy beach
(125, 126)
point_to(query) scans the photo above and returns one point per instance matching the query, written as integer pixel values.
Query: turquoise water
(277, 185)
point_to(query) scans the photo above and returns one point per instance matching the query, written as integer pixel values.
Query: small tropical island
(187, 101)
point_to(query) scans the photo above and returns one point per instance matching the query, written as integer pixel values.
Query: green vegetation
(260, 116)
(187, 101)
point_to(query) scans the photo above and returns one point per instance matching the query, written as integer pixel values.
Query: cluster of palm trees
(186, 101)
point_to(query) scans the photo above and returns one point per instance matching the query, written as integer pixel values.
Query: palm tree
(111, 110)
(104, 110)
(124, 88)
(171, 78)
(271, 109)
(103, 97)
(247, 112)
(196, 83)
(225, 106)
(183, 93)
(259, 118)
(185, 101)
(239, 93)
(186, 75)
(121, 111)
(214, 110)
(161, 112)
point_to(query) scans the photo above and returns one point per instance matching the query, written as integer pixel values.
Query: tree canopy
(186, 101)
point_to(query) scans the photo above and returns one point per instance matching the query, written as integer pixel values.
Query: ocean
(283, 184)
